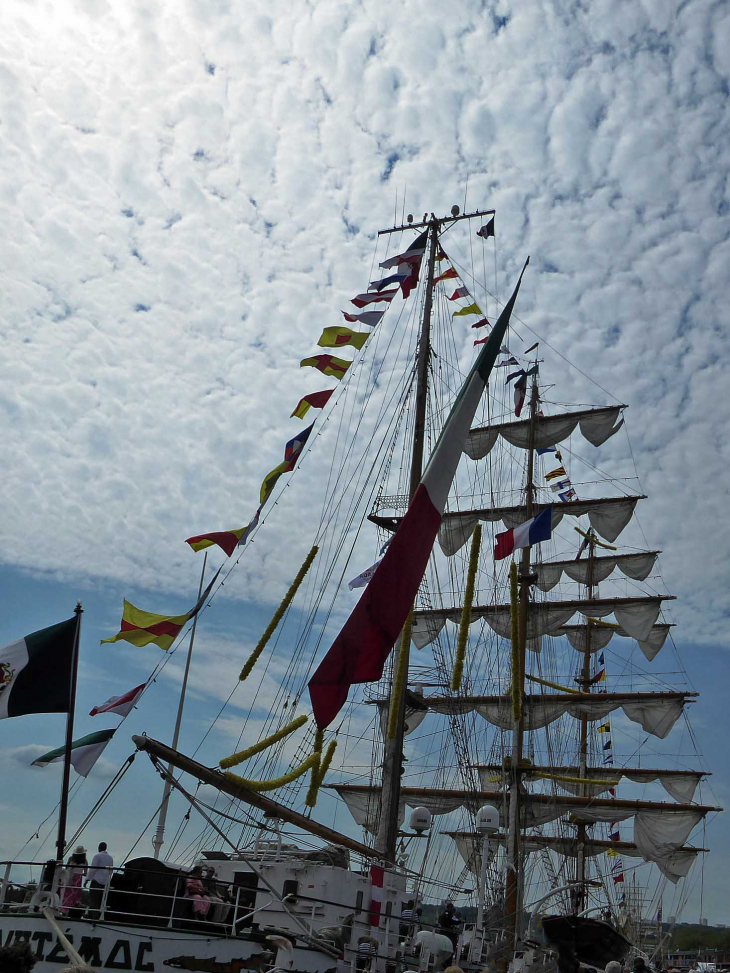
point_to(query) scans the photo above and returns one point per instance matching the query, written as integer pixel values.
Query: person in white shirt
(99, 876)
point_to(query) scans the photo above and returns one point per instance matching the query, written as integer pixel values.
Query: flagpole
(159, 837)
(63, 812)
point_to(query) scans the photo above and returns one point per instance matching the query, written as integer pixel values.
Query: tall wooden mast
(387, 838)
(513, 883)
(585, 685)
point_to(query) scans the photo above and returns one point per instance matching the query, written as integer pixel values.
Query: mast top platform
(438, 220)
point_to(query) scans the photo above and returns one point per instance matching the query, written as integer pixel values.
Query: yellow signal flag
(141, 627)
(469, 309)
(338, 336)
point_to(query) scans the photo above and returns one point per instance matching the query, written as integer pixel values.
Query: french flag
(531, 532)
(359, 652)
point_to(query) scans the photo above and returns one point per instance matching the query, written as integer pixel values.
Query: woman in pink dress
(195, 890)
(75, 871)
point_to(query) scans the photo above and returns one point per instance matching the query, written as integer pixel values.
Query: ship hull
(141, 949)
(591, 941)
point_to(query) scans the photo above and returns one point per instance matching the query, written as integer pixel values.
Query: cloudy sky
(189, 191)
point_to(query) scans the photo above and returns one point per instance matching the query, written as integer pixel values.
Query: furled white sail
(679, 785)
(635, 616)
(469, 846)
(608, 517)
(656, 713)
(659, 832)
(635, 566)
(601, 635)
(596, 425)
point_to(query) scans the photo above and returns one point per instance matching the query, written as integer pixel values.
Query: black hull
(584, 940)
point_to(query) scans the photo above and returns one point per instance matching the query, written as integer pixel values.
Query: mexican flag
(84, 752)
(35, 672)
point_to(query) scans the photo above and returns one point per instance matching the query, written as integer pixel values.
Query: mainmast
(513, 883)
(387, 838)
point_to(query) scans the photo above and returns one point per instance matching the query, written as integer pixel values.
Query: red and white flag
(121, 705)
(359, 652)
(377, 298)
(377, 873)
(414, 252)
(459, 292)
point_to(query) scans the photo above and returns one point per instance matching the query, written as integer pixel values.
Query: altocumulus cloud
(190, 193)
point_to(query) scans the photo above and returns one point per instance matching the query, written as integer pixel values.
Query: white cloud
(188, 196)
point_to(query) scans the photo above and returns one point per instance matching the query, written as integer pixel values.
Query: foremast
(513, 883)
(387, 838)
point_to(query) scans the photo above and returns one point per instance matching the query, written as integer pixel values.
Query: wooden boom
(216, 779)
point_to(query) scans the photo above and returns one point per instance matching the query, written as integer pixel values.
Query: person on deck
(450, 924)
(367, 948)
(75, 871)
(195, 890)
(219, 907)
(407, 915)
(98, 878)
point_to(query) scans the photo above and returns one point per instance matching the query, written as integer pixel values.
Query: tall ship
(463, 757)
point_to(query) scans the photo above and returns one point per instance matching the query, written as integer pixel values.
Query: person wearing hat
(75, 871)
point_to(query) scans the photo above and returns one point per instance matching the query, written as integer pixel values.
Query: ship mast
(513, 882)
(387, 838)
(585, 685)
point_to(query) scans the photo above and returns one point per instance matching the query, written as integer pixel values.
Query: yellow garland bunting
(594, 540)
(278, 614)
(327, 760)
(514, 615)
(601, 624)
(318, 774)
(401, 674)
(560, 778)
(577, 780)
(238, 758)
(552, 685)
(458, 673)
(311, 799)
(270, 785)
